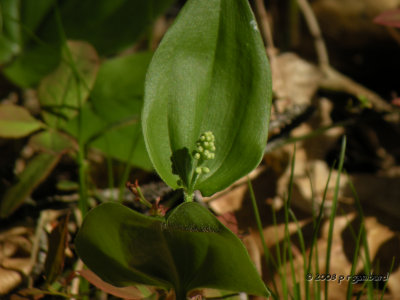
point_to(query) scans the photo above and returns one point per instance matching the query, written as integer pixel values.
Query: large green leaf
(64, 91)
(110, 25)
(210, 73)
(189, 249)
(38, 50)
(111, 121)
(17, 122)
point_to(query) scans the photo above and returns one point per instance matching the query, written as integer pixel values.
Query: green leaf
(112, 121)
(190, 249)
(31, 66)
(32, 15)
(66, 89)
(53, 141)
(10, 35)
(17, 122)
(210, 73)
(35, 172)
(120, 86)
(110, 25)
(39, 45)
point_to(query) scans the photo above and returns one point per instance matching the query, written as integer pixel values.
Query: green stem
(142, 199)
(189, 196)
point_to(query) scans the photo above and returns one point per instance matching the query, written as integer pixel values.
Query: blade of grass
(278, 255)
(307, 282)
(302, 248)
(354, 263)
(317, 225)
(267, 255)
(317, 284)
(278, 143)
(333, 213)
(367, 260)
(386, 282)
(296, 286)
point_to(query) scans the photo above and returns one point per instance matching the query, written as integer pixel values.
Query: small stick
(265, 27)
(76, 281)
(315, 31)
(333, 79)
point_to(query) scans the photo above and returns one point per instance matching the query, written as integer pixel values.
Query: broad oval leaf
(17, 122)
(210, 73)
(110, 26)
(52, 141)
(111, 119)
(64, 91)
(190, 249)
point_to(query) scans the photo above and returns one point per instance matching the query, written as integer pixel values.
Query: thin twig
(332, 78)
(315, 31)
(76, 281)
(265, 27)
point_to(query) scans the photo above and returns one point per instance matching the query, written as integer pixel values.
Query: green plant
(284, 257)
(205, 124)
(75, 85)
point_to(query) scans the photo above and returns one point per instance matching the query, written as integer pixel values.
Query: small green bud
(198, 170)
(205, 170)
(197, 156)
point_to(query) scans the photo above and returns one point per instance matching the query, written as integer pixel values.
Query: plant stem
(189, 196)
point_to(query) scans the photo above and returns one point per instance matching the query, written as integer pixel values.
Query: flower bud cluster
(205, 146)
(204, 150)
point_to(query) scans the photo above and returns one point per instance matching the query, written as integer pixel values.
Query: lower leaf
(188, 249)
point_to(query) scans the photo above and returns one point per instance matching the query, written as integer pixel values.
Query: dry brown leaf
(294, 79)
(20, 264)
(9, 280)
